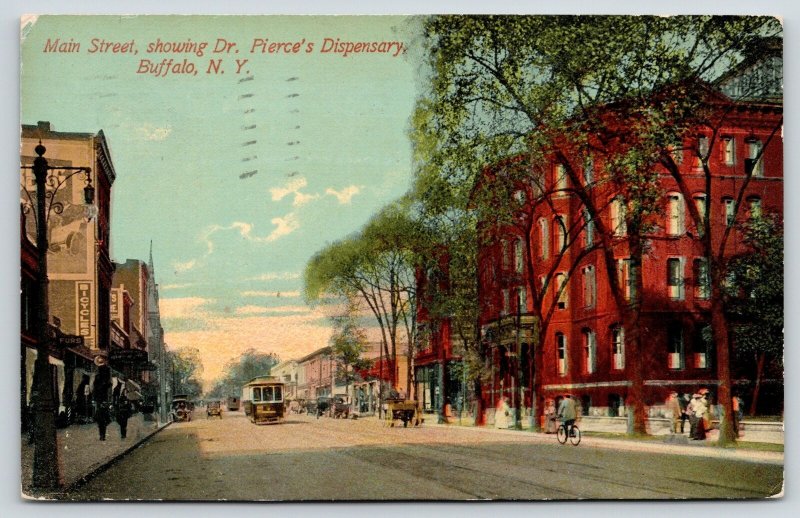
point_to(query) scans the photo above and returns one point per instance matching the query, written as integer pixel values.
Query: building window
(702, 151)
(702, 210)
(754, 206)
(675, 278)
(626, 276)
(730, 210)
(588, 172)
(702, 281)
(506, 302)
(702, 347)
(675, 214)
(589, 351)
(753, 152)
(561, 177)
(561, 352)
(544, 239)
(728, 150)
(618, 348)
(588, 229)
(519, 197)
(562, 290)
(522, 299)
(589, 287)
(504, 259)
(519, 256)
(618, 213)
(675, 347)
(561, 234)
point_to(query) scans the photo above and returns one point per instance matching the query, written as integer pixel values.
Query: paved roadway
(323, 459)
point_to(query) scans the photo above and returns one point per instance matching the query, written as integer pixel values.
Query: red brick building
(584, 347)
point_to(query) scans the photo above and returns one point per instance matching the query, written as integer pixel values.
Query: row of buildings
(104, 323)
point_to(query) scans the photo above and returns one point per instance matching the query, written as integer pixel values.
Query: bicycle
(574, 438)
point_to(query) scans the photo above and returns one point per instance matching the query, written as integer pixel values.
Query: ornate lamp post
(46, 461)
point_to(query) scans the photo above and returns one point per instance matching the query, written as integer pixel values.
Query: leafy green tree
(187, 369)
(238, 371)
(348, 344)
(755, 299)
(620, 89)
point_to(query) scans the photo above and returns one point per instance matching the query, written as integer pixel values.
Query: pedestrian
(102, 388)
(684, 402)
(735, 405)
(567, 411)
(123, 413)
(502, 414)
(700, 407)
(550, 417)
(691, 412)
(673, 411)
(103, 418)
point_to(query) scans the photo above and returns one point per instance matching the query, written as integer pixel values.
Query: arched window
(675, 214)
(561, 180)
(561, 234)
(702, 210)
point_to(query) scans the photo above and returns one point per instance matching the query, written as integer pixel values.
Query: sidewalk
(705, 448)
(82, 451)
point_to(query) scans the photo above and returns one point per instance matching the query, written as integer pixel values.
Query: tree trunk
(719, 328)
(757, 387)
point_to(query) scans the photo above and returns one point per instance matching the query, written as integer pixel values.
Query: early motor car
(214, 408)
(181, 408)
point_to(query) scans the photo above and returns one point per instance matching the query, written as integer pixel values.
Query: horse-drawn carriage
(405, 410)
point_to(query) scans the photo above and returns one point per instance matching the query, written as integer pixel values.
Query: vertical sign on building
(116, 299)
(85, 306)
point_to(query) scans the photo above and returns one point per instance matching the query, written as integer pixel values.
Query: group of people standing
(698, 410)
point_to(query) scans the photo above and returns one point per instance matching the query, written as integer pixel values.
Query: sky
(238, 179)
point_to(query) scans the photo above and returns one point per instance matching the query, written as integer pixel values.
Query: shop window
(561, 352)
(675, 280)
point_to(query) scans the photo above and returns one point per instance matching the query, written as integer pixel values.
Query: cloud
(182, 307)
(284, 226)
(301, 199)
(278, 193)
(183, 267)
(276, 276)
(345, 195)
(166, 287)
(277, 294)
(153, 133)
(261, 310)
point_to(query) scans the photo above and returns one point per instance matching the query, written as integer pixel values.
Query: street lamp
(46, 461)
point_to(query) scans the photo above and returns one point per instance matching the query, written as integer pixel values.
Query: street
(306, 458)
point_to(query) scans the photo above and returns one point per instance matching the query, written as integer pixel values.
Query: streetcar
(233, 403)
(263, 400)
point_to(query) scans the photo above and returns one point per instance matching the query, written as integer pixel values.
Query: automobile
(341, 407)
(323, 405)
(214, 408)
(181, 408)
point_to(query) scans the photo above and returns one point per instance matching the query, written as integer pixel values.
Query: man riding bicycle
(567, 413)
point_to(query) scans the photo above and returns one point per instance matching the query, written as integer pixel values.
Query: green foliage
(186, 371)
(238, 371)
(755, 295)
(348, 344)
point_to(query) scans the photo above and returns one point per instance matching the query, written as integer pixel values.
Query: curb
(104, 465)
(705, 450)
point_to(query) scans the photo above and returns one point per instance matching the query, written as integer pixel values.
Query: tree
(348, 343)
(621, 89)
(187, 368)
(238, 371)
(754, 299)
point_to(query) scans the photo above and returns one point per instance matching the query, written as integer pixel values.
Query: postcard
(401, 258)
